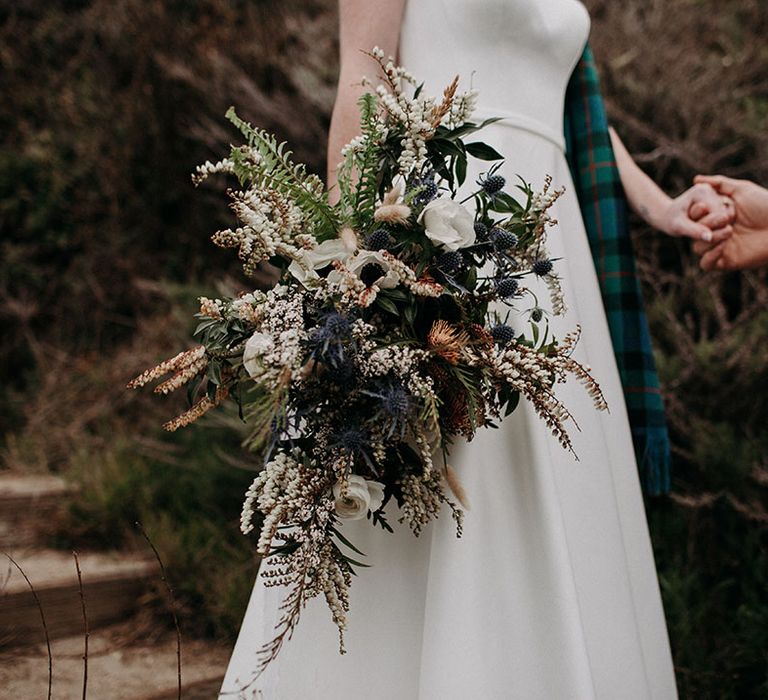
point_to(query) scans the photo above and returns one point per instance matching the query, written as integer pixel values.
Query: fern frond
(367, 160)
(274, 169)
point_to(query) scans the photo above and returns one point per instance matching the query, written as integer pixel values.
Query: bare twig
(86, 632)
(42, 618)
(172, 601)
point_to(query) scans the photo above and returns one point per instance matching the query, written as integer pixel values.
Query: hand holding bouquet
(386, 337)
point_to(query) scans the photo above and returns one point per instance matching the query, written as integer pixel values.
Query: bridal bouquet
(386, 337)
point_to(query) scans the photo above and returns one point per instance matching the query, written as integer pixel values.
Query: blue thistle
(451, 262)
(336, 326)
(481, 232)
(394, 407)
(503, 239)
(503, 334)
(352, 440)
(395, 401)
(507, 287)
(326, 341)
(379, 239)
(428, 191)
(493, 184)
(542, 267)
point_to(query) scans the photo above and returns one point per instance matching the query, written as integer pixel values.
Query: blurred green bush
(108, 106)
(687, 90)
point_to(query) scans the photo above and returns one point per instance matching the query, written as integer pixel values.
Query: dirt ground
(120, 667)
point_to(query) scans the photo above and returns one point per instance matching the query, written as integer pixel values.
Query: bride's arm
(363, 24)
(664, 213)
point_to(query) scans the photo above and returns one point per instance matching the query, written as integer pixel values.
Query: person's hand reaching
(747, 247)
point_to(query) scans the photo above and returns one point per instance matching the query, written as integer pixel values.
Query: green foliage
(368, 162)
(189, 508)
(275, 170)
(689, 96)
(359, 175)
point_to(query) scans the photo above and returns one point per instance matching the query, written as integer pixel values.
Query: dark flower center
(371, 273)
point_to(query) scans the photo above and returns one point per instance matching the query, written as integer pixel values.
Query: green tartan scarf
(603, 205)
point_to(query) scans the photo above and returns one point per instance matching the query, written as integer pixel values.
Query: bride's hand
(699, 213)
(672, 216)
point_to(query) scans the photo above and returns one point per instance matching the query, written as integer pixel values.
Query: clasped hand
(746, 244)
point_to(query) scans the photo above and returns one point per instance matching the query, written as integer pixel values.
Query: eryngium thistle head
(352, 439)
(542, 267)
(451, 262)
(493, 184)
(503, 334)
(503, 239)
(507, 287)
(481, 232)
(326, 341)
(379, 239)
(395, 401)
(336, 326)
(428, 191)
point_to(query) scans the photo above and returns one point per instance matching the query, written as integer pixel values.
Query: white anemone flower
(320, 256)
(389, 278)
(448, 223)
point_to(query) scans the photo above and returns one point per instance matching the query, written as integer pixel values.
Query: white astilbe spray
(534, 374)
(285, 490)
(181, 364)
(423, 496)
(538, 220)
(282, 319)
(291, 492)
(462, 108)
(271, 225)
(412, 114)
(204, 171)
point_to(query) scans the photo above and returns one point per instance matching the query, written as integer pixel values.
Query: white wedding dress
(551, 594)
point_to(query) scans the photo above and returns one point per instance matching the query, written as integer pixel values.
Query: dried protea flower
(392, 211)
(447, 341)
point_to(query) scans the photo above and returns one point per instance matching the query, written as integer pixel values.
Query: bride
(551, 593)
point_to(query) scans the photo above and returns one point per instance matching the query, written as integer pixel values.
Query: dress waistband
(515, 120)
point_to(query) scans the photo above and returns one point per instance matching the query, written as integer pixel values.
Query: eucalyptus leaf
(461, 170)
(512, 404)
(483, 151)
(387, 305)
(345, 541)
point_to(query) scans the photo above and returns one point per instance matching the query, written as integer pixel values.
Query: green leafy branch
(276, 170)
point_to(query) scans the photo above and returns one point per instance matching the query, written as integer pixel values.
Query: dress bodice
(518, 53)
